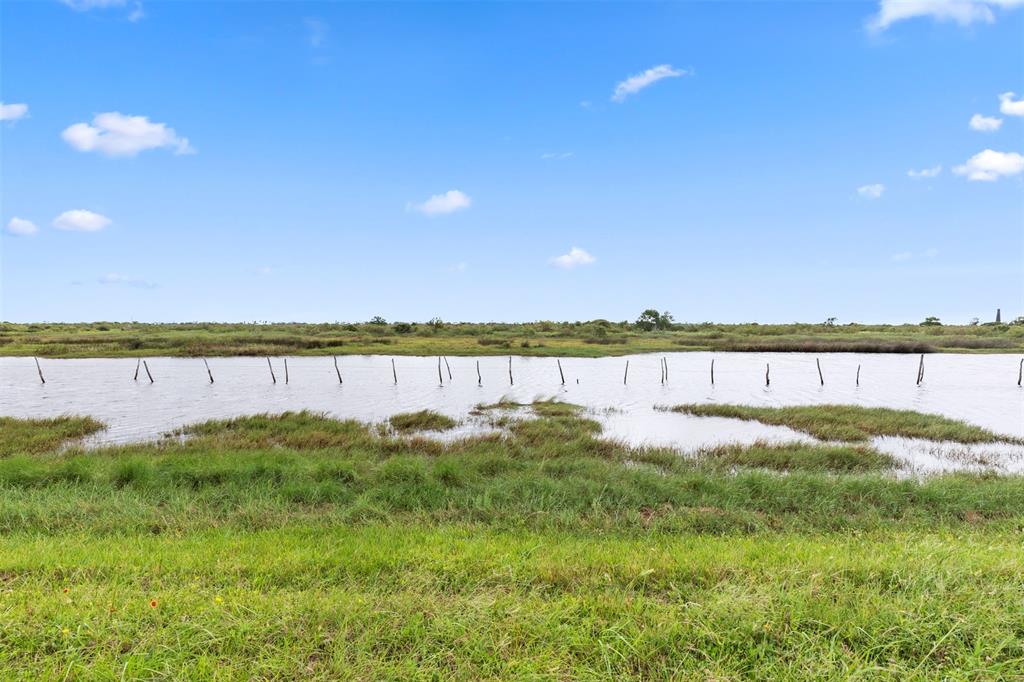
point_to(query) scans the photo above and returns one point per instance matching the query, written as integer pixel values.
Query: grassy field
(581, 339)
(297, 546)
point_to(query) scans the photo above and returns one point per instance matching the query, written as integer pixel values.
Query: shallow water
(980, 389)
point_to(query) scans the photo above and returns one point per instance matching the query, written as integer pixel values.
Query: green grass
(851, 423)
(424, 420)
(41, 435)
(593, 338)
(297, 546)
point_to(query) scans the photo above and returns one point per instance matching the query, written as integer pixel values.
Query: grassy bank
(581, 339)
(302, 547)
(851, 422)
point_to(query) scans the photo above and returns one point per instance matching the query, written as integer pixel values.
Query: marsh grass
(851, 423)
(42, 435)
(301, 547)
(424, 420)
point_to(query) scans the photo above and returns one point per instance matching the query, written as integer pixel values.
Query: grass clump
(851, 423)
(424, 420)
(34, 436)
(800, 457)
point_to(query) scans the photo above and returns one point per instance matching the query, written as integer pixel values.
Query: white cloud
(316, 31)
(990, 165)
(925, 172)
(575, 257)
(557, 155)
(871, 191)
(80, 220)
(638, 82)
(909, 255)
(21, 227)
(115, 134)
(985, 124)
(125, 280)
(963, 12)
(451, 201)
(459, 267)
(84, 5)
(12, 112)
(137, 13)
(1008, 106)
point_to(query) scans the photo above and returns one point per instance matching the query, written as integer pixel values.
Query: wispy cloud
(557, 155)
(574, 258)
(905, 256)
(264, 271)
(81, 220)
(925, 172)
(459, 267)
(1009, 106)
(990, 165)
(115, 134)
(985, 124)
(871, 191)
(316, 31)
(118, 279)
(439, 204)
(638, 82)
(134, 15)
(962, 12)
(21, 227)
(12, 112)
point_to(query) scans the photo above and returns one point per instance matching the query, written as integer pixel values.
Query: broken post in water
(146, 366)
(336, 370)
(40, 370)
(138, 366)
(712, 371)
(510, 382)
(821, 377)
(661, 363)
(767, 374)
(560, 373)
(626, 373)
(208, 372)
(920, 370)
(286, 371)
(273, 378)
(858, 375)
(1020, 372)
(394, 372)
(440, 379)
(446, 365)
(479, 378)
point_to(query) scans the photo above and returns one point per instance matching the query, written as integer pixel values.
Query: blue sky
(329, 161)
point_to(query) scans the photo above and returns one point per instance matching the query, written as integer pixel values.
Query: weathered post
(858, 375)
(767, 374)
(208, 372)
(479, 378)
(625, 374)
(510, 382)
(665, 360)
(560, 373)
(146, 366)
(661, 363)
(440, 379)
(272, 377)
(448, 367)
(712, 371)
(821, 377)
(138, 366)
(336, 370)
(40, 370)
(394, 372)
(1020, 372)
(920, 370)
(286, 371)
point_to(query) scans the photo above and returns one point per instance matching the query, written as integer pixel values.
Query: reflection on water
(980, 389)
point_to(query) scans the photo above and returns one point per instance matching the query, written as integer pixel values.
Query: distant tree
(436, 322)
(974, 322)
(1019, 320)
(403, 328)
(377, 319)
(651, 319)
(931, 322)
(831, 321)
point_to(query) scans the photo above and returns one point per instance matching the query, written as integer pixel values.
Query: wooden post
(286, 371)
(208, 372)
(394, 372)
(858, 375)
(712, 371)
(665, 360)
(440, 379)
(147, 371)
(626, 373)
(920, 370)
(336, 370)
(138, 366)
(1020, 372)
(560, 373)
(448, 367)
(821, 377)
(274, 378)
(479, 378)
(767, 374)
(510, 382)
(40, 370)
(661, 363)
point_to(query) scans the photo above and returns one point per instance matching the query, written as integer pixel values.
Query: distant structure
(999, 315)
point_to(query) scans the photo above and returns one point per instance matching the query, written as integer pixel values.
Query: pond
(980, 389)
